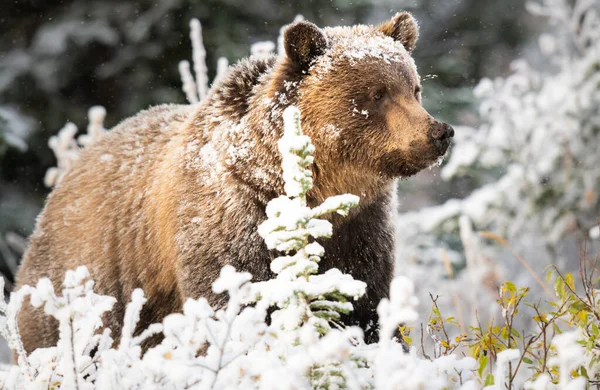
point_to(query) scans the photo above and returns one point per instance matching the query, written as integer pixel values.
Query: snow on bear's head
(360, 96)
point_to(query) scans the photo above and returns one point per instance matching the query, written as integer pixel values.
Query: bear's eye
(378, 95)
(418, 92)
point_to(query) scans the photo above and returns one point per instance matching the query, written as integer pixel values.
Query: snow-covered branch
(66, 147)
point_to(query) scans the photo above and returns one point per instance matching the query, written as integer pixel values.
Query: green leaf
(515, 333)
(482, 364)
(489, 380)
(527, 360)
(559, 287)
(556, 328)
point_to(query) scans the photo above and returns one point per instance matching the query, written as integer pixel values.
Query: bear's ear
(303, 42)
(403, 28)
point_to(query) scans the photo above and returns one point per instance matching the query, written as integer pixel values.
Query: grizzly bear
(167, 198)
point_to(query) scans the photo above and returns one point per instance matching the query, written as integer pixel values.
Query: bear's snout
(440, 134)
(441, 131)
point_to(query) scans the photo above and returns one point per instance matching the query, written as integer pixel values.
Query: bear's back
(99, 210)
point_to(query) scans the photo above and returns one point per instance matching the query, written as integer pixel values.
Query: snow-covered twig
(66, 147)
(199, 58)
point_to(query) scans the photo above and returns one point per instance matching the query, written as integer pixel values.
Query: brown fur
(168, 197)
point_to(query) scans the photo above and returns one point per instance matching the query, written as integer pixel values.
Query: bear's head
(360, 97)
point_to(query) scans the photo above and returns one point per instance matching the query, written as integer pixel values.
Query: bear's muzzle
(440, 135)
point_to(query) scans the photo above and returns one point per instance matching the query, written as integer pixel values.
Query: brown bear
(170, 196)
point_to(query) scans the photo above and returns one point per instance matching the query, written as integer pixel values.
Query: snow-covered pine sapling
(302, 296)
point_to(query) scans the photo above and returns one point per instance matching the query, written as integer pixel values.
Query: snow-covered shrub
(235, 347)
(15, 129)
(66, 147)
(539, 131)
(78, 310)
(561, 350)
(196, 88)
(535, 152)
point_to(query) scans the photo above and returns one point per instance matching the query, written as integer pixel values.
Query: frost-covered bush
(539, 132)
(535, 152)
(66, 147)
(561, 350)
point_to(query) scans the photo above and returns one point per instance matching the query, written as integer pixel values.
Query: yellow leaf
(570, 281)
(511, 287)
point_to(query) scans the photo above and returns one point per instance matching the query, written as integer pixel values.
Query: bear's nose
(442, 131)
